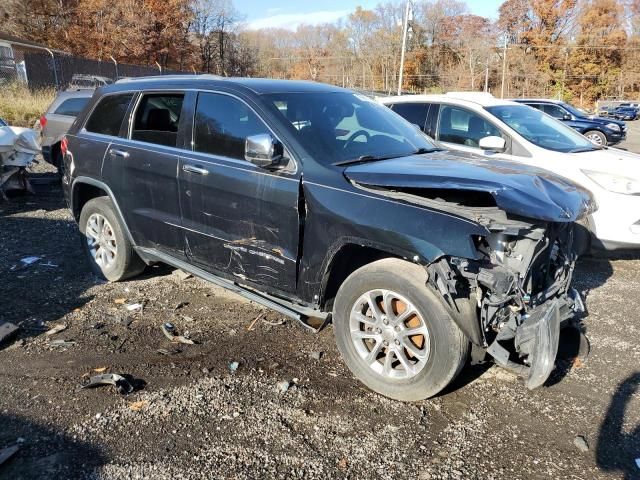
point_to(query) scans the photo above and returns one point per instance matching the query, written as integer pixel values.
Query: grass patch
(21, 107)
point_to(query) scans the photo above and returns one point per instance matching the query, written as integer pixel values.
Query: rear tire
(596, 137)
(108, 250)
(423, 352)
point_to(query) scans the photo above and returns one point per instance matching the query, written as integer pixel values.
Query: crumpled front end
(521, 286)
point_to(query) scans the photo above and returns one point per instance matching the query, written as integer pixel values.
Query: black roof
(256, 85)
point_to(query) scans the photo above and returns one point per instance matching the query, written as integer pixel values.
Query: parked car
(481, 124)
(320, 203)
(606, 111)
(601, 131)
(55, 122)
(625, 113)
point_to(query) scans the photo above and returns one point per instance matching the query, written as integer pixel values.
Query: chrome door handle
(118, 153)
(194, 169)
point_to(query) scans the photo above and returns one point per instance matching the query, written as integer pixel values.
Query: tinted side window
(222, 124)
(415, 113)
(72, 106)
(555, 111)
(537, 106)
(157, 117)
(108, 115)
(463, 127)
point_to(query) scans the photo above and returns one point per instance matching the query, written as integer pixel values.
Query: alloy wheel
(389, 334)
(101, 240)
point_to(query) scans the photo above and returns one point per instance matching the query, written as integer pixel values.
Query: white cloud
(291, 21)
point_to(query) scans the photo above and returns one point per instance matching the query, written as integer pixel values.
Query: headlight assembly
(615, 183)
(613, 126)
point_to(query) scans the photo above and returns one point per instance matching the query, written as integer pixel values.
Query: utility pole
(486, 77)
(504, 65)
(404, 46)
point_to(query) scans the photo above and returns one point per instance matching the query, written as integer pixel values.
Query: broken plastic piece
(134, 307)
(8, 452)
(29, 260)
(122, 384)
(168, 330)
(57, 328)
(6, 330)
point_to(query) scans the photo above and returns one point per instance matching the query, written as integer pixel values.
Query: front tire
(108, 250)
(395, 334)
(596, 137)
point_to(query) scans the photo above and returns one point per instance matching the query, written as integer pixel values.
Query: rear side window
(108, 115)
(71, 107)
(415, 113)
(555, 111)
(222, 124)
(157, 118)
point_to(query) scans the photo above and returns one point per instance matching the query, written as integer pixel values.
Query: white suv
(482, 124)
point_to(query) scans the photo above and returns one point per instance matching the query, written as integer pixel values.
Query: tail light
(43, 121)
(64, 145)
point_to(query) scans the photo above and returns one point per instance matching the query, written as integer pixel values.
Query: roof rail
(179, 76)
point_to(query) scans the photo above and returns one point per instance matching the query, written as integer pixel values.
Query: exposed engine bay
(521, 289)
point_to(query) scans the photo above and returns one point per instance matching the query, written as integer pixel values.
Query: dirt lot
(197, 418)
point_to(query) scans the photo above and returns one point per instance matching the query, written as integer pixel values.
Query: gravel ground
(290, 409)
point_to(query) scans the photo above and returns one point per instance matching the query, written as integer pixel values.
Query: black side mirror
(263, 150)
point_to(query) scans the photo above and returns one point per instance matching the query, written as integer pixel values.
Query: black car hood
(602, 120)
(517, 189)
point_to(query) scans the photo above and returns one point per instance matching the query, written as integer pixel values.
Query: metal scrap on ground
(169, 331)
(122, 384)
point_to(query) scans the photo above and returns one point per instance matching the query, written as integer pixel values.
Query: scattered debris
(121, 383)
(61, 343)
(57, 328)
(233, 366)
(233, 332)
(17, 344)
(169, 331)
(181, 275)
(100, 369)
(274, 324)
(120, 301)
(342, 464)
(180, 305)
(7, 329)
(137, 406)
(167, 352)
(581, 443)
(8, 452)
(316, 355)
(134, 307)
(283, 386)
(26, 261)
(255, 320)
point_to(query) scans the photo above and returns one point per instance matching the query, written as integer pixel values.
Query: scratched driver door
(238, 218)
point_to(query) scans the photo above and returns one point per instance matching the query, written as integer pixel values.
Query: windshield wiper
(376, 158)
(585, 149)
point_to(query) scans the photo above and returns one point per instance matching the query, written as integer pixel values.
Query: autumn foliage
(581, 49)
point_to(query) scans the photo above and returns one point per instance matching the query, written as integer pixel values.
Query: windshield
(341, 126)
(541, 129)
(575, 110)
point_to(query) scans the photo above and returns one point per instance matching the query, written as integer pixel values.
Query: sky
(289, 14)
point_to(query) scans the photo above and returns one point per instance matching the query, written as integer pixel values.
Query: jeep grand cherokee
(321, 204)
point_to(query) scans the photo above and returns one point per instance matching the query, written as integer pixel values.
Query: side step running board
(297, 312)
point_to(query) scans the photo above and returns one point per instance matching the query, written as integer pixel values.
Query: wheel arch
(84, 189)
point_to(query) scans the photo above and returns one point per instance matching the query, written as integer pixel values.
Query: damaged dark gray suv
(323, 205)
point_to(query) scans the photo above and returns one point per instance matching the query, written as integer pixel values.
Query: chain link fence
(42, 69)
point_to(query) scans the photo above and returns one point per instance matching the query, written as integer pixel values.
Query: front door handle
(118, 153)
(194, 169)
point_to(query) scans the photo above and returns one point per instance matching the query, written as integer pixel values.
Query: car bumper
(616, 223)
(616, 137)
